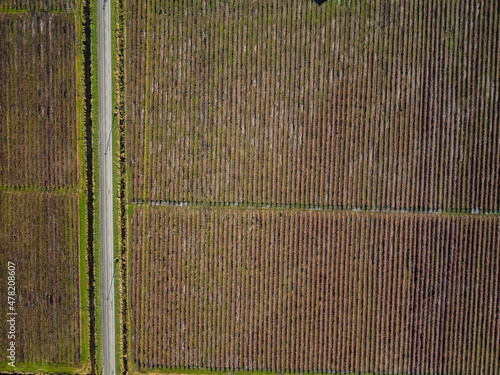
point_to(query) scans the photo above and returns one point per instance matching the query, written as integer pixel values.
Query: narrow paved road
(106, 187)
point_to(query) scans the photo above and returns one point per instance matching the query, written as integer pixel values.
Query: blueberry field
(311, 188)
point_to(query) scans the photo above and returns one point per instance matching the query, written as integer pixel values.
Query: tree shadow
(319, 2)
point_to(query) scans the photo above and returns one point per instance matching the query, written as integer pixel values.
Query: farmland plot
(40, 233)
(290, 290)
(367, 105)
(262, 141)
(38, 5)
(43, 205)
(38, 100)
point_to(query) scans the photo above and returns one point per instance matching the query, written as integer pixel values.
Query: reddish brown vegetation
(39, 232)
(371, 105)
(37, 5)
(284, 102)
(37, 100)
(315, 291)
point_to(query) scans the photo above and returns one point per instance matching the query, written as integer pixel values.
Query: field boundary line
(89, 176)
(121, 175)
(244, 205)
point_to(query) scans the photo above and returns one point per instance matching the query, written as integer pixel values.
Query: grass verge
(120, 182)
(94, 157)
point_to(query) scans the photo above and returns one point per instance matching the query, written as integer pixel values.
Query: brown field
(41, 197)
(286, 128)
(287, 290)
(38, 100)
(38, 5)
(287, 103)
(39, 232)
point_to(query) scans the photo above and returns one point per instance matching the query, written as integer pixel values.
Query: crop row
(39, 233)
(38, 100)
(344, 105)
(246, 289)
